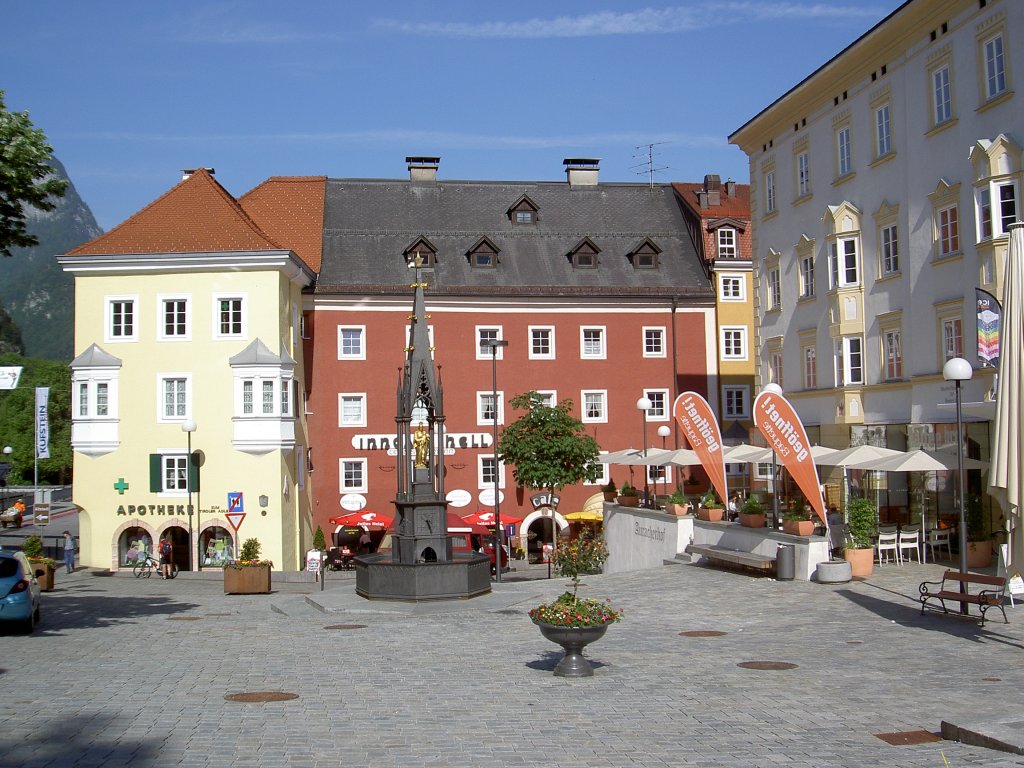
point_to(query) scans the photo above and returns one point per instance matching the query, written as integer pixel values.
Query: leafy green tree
(17, 421)
(25, 177)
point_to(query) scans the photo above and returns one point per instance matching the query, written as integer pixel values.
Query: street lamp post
(499, 533)
(644, 405)
(188, 427)
(777, 390)
(958, 371)
(7, 452)
(663, 432)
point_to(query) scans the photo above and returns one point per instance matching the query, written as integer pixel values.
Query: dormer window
(584, 254)
(645, 255)
(523, 211)
(483, 254)
(424, 250)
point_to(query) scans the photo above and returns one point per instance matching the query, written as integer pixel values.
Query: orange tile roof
(196, 216)
(290, 209)
(737, 207)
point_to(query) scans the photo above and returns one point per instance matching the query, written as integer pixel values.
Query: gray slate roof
(368, 224)
(95, 357)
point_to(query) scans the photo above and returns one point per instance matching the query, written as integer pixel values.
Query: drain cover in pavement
(260, 697)
(183, 618)
(902, 738)
(986, 679)
(854, 642)
(766, 665)
(702, 633)
(345, 626)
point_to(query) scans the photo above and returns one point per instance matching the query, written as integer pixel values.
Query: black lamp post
(663, 432)
(499, 533)
(188, 427)
(959, 370)
(644, 405)
(7, 452)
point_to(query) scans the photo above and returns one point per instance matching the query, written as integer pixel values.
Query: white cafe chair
(938, 537)
(887, 542)
(910, 539)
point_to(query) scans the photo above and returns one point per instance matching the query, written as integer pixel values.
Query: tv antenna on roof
(648, 165)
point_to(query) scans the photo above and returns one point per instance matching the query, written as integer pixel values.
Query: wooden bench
(955, 587)
(739, 557)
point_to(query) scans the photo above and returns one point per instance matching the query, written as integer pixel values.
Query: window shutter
(156, 480)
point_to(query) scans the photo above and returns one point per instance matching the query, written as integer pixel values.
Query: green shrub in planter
(861, 517)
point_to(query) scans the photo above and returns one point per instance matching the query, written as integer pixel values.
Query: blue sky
(129, 93)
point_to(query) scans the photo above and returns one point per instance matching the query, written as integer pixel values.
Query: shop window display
(216, 546)
(134, 545)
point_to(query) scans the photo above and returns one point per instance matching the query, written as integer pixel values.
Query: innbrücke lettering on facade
(452, 440)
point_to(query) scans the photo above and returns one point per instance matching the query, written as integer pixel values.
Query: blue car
(19, 590)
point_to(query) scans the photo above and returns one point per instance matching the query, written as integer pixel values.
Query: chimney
(581, 171)
(713, 189)
(423, 168)
(730, 188)
(187, 172)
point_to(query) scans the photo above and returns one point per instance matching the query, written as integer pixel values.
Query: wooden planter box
(248, 580)
(46, 580)
(755, 520)
(798, 527)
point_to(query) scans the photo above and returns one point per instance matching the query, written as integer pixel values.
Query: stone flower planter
(833, 572)
(798, 527)
(628, 501)
(862, 561)
(573, 640)
(755, 520)
(712, 515)
(247, 580)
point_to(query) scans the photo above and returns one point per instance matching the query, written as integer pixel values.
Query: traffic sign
(235, 518)
(235, 503)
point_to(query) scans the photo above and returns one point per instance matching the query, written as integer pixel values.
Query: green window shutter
(193, 472)
(156, 471)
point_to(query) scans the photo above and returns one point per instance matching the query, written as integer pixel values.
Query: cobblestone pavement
(135, 672)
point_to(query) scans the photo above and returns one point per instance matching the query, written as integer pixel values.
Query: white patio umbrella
(849, 457)
(1007, 474)
(615, 457)
(747, 454)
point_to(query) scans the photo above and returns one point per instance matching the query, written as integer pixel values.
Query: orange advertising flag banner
(785, 433)
(700, 427)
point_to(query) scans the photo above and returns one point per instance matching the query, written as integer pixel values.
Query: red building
(597, 288)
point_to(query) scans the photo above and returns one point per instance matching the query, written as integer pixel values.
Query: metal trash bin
(785, 562)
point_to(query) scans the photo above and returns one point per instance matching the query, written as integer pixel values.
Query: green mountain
(37, 294)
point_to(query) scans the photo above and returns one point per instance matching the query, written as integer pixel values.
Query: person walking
(69, 552)
(165, 557)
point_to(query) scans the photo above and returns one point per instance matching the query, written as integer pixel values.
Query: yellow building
(188, 317)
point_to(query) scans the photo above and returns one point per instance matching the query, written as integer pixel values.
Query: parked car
(19, 590)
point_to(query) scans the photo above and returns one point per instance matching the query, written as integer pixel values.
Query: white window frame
(605, 475)
(730, 392)
(809, 361)
(359, 397)
(883, 131)
(603, 396)
(952, 337)
(803, 174)
(666, 406)
(361, 354)
(774, 280)
(162, 301)
(892, 351)
(844, 152)
(485, 484)
(732, 287)
(845, 271)
(889, 249)
(948, 241)
(550, 395)
(550, 330)
(173, 464)
(942, 94)
(659, 330)
(241, 297)
(481, 398)
(728, 245)
(281, 386)
(161, 415)
(108, 327)
(485, 353)
(776, 368)
(603, 332)
(847, 349)
(90, 387)
(769, 192)
(991, 208)
(806, 276)
(362, 487)
(660, 475)
(994, 58)
(732, 336)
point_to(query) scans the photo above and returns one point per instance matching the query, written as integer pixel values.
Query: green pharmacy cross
(120, 486)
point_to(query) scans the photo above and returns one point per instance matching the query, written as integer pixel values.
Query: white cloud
(644, 21)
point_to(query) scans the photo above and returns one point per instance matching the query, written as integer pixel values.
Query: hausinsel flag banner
(700, 427)
(785, 433)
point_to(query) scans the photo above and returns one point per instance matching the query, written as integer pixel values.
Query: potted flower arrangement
(44, 567)
(979, 545)
(751, 514)
(677, 504)
(571, 621)
(859, 550)
(609, 490)
(797, 521)
(248, 575)
(628, 496)
(710, 508)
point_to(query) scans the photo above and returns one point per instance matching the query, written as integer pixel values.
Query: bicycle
(148, 564)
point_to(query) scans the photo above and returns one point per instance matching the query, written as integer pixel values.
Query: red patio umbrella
(364, 519)
(487, 519)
